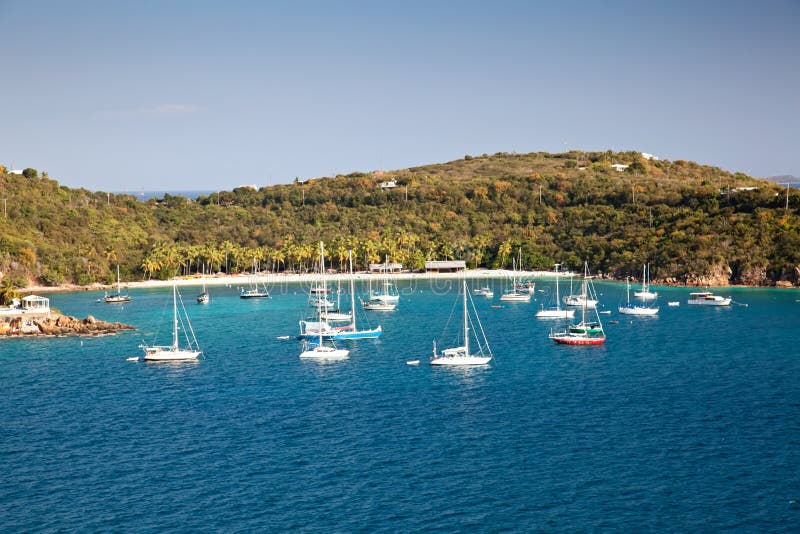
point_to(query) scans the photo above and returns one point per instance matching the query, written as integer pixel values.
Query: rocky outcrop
(58, 325)
(719, 275)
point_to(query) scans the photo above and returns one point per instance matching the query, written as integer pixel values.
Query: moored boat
(706, 298)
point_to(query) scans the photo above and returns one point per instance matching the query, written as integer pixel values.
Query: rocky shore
(55, 325)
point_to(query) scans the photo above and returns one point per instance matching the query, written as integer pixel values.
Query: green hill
(694, 223)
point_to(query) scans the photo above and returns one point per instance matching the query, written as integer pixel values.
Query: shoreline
(311, 278)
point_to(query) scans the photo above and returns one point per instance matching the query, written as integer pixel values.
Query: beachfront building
(385, 267)
(35, 304)
(447, 266)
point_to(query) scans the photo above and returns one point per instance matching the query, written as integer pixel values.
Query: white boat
(375, 304)
(484, 292)
(351, 331)
(174, 352)
(578, 300)
(587, 332)
(117, 297)
(636, 309)
(645, 293)
(526, 286)
(204, 297)
(388, 294)
(673, 303)
(461, 355)
(706, 298)
(555, 312)
(320, 351)
(255, 291)
(514, 294)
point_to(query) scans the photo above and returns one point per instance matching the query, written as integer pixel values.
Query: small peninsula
(33, 317)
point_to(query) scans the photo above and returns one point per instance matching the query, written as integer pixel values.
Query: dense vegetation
(694, 223)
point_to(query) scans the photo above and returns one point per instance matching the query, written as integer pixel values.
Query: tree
(30, 173)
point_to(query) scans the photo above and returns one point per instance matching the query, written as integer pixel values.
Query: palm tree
(8, 291)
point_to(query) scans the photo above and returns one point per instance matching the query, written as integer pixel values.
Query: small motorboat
(412, 362)
(673, 303)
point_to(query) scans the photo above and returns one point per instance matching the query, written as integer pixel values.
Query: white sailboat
(352, 331)
(204, 297)
(636, 309)
(579, 300)
(516, 294)
(461, 356)
(388, 293)
(254, 291)
(117, 297)
(555, 312)
(320, 351)
(174, 352)
(645, 293)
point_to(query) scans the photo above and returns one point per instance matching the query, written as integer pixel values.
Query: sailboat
(461, 355)
(117, 297)
(578, 300)
(645, 293)
(636, 309)
(174, 352)
(516, 294)
(587, 332)
(320, 351)
(555, 312)
(352, 331)
(388, 293)
(204, 297)
(254, 291)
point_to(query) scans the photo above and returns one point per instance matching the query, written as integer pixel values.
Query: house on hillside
(619, 167)
(446, 266)
(391, 184)
(649, 157)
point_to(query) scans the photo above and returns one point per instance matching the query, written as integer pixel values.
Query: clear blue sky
(211, 95)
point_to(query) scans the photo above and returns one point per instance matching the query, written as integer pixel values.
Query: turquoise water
(689, 421)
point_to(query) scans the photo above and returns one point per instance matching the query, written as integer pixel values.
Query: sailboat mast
(585, 278)
(558, 299)
(119, 291)
(324, 286)
(352, 292)
(175, 314)
(466, 328)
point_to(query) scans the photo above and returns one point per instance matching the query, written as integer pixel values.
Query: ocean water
(689, 421)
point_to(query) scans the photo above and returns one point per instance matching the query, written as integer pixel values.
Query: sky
(190, 95)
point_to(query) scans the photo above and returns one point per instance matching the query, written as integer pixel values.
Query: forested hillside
(694, 223)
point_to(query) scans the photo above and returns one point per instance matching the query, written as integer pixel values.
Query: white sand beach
(278, 279)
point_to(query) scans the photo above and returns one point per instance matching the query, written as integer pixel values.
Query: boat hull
(555, 314)
(360, 334)
(169, 355)
(524, 297)
(577, 340)
(460, 360)
(723, 302)
(325, 353)
(638, 310)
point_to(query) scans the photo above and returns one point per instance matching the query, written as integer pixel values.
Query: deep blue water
(685, 422)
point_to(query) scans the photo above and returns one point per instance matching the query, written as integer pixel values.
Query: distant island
(695, 224)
